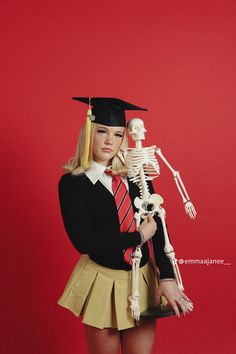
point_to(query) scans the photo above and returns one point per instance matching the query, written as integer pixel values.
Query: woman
(99, 286)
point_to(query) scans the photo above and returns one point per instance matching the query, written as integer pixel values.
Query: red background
(177, 58)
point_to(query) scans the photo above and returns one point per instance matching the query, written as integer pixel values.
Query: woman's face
(106, 143)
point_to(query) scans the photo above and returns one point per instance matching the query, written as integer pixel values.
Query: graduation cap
(107, 110)
(103, 110)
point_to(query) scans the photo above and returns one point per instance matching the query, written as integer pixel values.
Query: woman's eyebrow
(102, 127)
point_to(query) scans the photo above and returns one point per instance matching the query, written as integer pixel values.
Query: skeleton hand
(190, 210)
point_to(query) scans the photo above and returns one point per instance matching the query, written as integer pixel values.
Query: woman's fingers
(175, 308)
(188, 302)
(148, 228)
(145, 221)
(189, 305)
(187, 298)
(181, 303)
(185, 304)
(158, 296)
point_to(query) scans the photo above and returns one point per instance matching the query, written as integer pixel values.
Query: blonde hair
(74, 165)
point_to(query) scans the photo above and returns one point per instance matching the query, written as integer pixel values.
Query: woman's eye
(119, 135)
(101, 131)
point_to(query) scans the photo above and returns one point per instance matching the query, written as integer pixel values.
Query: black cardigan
(91, 220)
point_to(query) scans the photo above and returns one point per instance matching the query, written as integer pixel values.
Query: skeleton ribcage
(142, 161)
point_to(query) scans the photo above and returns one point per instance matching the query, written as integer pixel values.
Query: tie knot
(109, 172)
(115, 177)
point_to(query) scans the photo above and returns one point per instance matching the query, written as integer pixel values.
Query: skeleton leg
(136, 259)
(134, 297)
(156, 200)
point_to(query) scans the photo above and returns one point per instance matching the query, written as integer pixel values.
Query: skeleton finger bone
(190, 210)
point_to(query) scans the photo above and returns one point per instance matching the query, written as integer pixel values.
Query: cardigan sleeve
(163, 262)
(79, 224)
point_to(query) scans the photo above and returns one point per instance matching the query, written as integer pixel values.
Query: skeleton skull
(136, 129)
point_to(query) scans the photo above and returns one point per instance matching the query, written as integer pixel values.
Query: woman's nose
(109, 140)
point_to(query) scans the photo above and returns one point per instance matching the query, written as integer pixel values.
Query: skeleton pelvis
(149, 205)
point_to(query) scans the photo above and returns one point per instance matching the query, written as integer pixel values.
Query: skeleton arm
(189, 207)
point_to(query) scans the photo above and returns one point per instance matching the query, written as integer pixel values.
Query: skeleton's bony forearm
(189, 207)
(177, 178)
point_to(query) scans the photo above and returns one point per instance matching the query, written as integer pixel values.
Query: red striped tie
(125, 210)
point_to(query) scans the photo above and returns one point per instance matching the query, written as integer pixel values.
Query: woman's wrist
(142, 237)
(167, 279)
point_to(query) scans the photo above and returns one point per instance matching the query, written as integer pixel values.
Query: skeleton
(143, 166)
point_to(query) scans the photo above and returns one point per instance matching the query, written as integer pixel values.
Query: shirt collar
(95, 171)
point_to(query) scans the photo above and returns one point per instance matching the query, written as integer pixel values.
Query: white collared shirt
(96, 172)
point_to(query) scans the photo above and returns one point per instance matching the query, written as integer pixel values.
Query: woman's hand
(176, 298)
(148, 227)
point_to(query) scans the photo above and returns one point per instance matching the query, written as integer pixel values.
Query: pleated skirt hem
(100, 295)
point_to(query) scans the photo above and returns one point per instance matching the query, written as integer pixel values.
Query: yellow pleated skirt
(100, 295)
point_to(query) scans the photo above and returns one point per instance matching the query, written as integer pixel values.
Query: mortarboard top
(108, 111)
